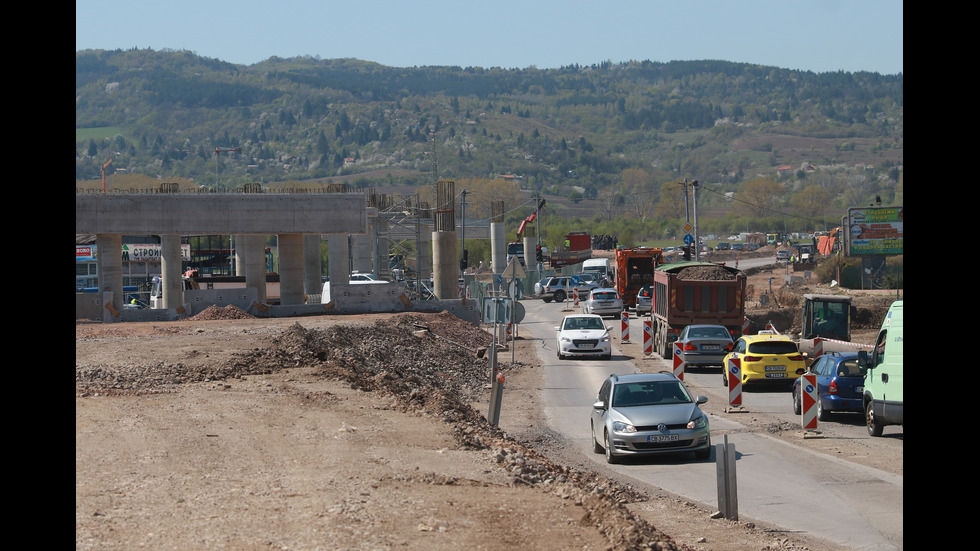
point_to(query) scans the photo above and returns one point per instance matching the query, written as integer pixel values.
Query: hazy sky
(813, 35)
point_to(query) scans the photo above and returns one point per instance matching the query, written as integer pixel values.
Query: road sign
(688, 239)
(497, 310)
(514, 270)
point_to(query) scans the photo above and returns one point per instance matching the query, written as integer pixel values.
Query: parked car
(840, 385)
(704, 345)
(648, 413)
(583, 335)
(644, 300)
(738, 246)
(766, 357)
(604, 302)
(559, 288)
(539, 286)
(752, 246)
(723, 247)
(782, 254)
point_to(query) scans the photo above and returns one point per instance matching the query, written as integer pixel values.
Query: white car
(583, 335)
(604, 302)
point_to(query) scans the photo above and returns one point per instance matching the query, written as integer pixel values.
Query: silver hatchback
(603, 302)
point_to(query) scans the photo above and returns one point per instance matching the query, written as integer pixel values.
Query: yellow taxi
(766, 357)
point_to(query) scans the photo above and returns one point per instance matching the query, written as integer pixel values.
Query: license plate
(663, 438)
(775, 368)
(775, 375)
(585, 346)
(710, 347)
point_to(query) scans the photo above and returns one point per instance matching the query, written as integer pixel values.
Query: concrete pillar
(170, 271)
(530, 258)
(252, 255)
(445, 280)
(312, 267)
(424, 261)
(291, 280)
(382, 269)
(339, 259)
(498, 247)
(110, 273)
(361, 253)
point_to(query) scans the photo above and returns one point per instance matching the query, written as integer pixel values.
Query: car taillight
(689, 346)
(833, 387)
(751, 358)
(796, 358)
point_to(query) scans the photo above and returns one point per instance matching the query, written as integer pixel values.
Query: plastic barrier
(647, 337)
(678, 363)
(808, 397)
(575, 294)
(626, 327)
(733, 369)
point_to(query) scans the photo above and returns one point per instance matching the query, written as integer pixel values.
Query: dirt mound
(213, 312)
(706, 273)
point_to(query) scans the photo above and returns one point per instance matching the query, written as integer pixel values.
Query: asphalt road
(779, 483)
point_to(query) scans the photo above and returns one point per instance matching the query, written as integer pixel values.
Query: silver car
(603, 302)
(648, 414)
(704, 345)
(644, 300)
(583, 335)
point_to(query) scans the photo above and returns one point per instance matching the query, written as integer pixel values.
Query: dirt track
(362, 432)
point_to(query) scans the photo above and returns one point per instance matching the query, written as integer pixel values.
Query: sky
(809, 35)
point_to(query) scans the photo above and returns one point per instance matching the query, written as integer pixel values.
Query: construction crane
(103, 174)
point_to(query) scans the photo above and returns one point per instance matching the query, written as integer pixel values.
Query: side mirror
(599, 404)
(863, 360)
(557, 328)
(702, 399)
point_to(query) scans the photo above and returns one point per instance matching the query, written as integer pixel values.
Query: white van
(884, 380)
(599, 266)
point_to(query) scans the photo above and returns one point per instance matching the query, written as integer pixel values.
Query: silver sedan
(704, 345)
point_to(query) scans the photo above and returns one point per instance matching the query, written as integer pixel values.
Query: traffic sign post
(733, 370)
(626, 327)
(678, 363)
(808, 400)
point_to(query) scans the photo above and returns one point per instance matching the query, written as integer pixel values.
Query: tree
(759, 196)
(672, 204)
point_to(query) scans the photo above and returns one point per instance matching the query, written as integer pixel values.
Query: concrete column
(339, 259)
(361, 253)
(530, 248)
(170, 271)
(291, 283)
(445, 280)
(312, 267)
(424, 261)
(381, 253)
(110, 273)
(498, 247)
(252, 255)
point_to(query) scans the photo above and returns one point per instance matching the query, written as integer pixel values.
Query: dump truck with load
(576, 248)
(634, 270)
(689, 293)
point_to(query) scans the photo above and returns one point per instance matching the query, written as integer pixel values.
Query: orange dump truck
(635, 267)
(690, 293)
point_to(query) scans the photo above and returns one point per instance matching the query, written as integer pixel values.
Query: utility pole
(697, 237)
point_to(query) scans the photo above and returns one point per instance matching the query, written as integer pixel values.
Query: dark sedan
(840, 385)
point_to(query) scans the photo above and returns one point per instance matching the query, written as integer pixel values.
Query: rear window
(604, 295)
(848, 368)
(773, 347)
(709, 333)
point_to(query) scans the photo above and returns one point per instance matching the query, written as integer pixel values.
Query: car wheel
(546, 300)
(822, 414)
(875, 427)
(560, 356)
(559, 296)
(797, 402)
(724, 377)
(611, 457)
(596, 446)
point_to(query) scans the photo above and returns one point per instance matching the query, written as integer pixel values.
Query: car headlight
(605, 338)
(698, 423)
(619, 426)
(563, 338)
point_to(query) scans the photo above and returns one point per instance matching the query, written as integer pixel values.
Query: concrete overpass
(299, 221)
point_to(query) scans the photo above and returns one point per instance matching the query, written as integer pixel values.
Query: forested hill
(568, 130)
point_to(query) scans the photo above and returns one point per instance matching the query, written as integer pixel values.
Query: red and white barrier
(575, 294)
(626, 327)
(733, 370)
(678, 363)
(647, 337)
(808, 397)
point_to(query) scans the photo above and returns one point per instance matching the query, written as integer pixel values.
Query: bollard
(733, 371)
(808, 397)
(727, 486)
(626, 327)
(647, 337)
(575, 294)
(496, 397)
(678, 364)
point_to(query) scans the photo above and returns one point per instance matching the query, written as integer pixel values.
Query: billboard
(874, 231)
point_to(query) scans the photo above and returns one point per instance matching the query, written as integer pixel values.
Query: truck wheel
(875, 427)
(559, 296)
